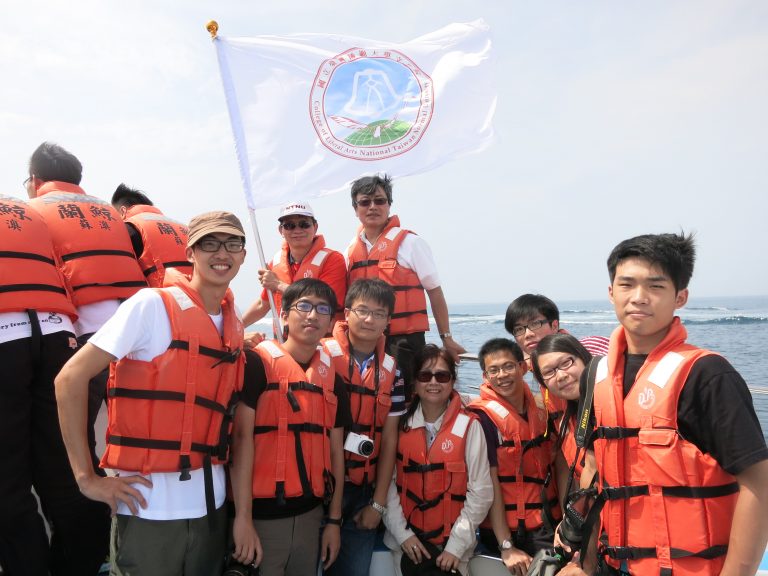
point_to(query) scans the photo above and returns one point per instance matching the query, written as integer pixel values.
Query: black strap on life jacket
(363, 264)
(172, 264)
(88, 253)
(31, 288)
(26, 256)
(127, 284)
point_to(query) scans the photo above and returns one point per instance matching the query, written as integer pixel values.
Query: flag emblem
(370, 104)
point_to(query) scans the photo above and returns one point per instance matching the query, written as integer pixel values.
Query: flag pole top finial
(213, 28)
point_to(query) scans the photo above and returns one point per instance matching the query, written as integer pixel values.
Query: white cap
(296, 209)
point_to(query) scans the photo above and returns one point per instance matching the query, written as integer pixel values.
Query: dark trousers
(97, 395)
(32, 454)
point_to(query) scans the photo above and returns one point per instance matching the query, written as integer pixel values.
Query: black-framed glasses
(533, 326)
(213, 245)
(366, 202)
(364, 313)
(26, 182)
(303, 224)
(509, 368)
(441, 376)
(305, 307)
(562, 367)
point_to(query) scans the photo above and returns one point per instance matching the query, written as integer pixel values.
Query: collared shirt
(461, 542)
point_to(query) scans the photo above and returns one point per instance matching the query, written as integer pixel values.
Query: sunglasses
(303, 224)
(365, 202)
(441, 376)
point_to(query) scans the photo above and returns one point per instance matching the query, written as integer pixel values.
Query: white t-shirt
(91, 317)
(140, 330)
(16, 325)
(414, 253)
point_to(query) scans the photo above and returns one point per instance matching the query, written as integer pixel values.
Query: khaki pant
(291, 545)
(141, 547)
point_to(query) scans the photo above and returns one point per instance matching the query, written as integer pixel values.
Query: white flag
(312, 112)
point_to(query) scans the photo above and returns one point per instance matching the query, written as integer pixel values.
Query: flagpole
(276, 327)
(213, 28)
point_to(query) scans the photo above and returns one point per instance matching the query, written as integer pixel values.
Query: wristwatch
(445, 335)
(378, 507)
(505, 545)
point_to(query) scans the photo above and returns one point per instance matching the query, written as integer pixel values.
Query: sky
(613, 119)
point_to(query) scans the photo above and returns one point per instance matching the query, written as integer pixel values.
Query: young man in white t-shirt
(177, 364)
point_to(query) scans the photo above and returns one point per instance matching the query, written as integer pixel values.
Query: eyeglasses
(364, 313)
(533, 326)
(509, 368)
(441, 376)
(562, 367)
(303, 224)
(27, 181)
(365, 202)
(213, 245)
(305, 307)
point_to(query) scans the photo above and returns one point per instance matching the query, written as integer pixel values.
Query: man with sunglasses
(176, 369)
(522, 518)
(377, 400)
(381, 249)
(303, 255)
(288, 441)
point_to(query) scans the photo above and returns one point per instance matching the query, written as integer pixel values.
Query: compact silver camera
(358, 444)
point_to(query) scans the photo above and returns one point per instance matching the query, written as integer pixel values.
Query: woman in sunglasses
(442, 488)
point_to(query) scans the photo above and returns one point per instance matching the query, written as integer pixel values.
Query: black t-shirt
(714, 412)
(254, 383)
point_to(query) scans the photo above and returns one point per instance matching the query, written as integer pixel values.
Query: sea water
(736, 327)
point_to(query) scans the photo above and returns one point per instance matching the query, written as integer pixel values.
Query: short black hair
(367, 186)
(675, 254)
(52, 162)
(564, 343)
(528, 306)
(372, 289)
(499, 345)
(309, 287)
(126, 196)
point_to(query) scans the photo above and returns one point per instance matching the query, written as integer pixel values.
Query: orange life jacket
(92, 243)
(410, 313)
(669, 506)
(293, 422)
(525, 460)
(310, 267)
(370, 399)
(29, 273)
(164, 240)
(174, 412)
(433, 483)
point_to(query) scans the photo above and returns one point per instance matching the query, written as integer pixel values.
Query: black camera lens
(365, 448)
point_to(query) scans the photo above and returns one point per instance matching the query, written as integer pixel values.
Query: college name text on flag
(312, 112)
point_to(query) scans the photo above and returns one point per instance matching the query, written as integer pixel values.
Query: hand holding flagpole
(213, 28)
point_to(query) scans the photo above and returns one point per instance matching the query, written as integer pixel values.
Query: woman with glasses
(525, 507)
(557, 364)
(442, 488)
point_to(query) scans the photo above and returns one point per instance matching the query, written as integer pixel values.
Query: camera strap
(582, 432)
